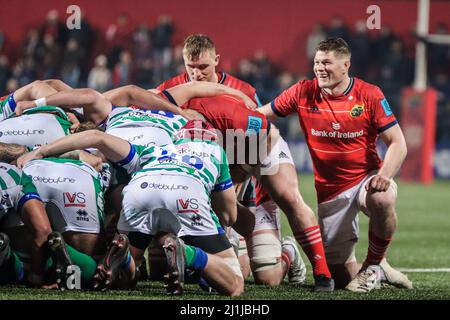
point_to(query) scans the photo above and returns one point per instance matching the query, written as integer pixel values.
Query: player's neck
(215, 78)
(340, 88)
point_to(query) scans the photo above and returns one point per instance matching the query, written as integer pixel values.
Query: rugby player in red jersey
(270, 258)
(230, 115)
(342, 117)
(200, 59)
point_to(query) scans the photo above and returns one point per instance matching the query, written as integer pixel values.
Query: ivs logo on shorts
(75, 199)
(188, 205)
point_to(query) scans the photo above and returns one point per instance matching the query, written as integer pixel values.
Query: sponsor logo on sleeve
(386, 107)
(254, 125)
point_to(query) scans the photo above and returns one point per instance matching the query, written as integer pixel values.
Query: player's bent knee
(265, 252)
(271, 277)
(380, 201)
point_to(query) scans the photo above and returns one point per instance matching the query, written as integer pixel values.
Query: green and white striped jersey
(126, 117)
(205, 161)
(37, 126)
(7, 107)
(16, 188)
(63, 165)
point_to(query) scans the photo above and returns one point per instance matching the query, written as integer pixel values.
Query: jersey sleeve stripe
(223, 185)
(128, 158)
(389, 125)
(25, 198)
(169, 97)
(274, 109)
(3, 185)
(12, 102)
(258, 102)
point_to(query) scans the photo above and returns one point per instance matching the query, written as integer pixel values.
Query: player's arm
(36, 89)
(35, 218)
(224, 205)
(133, 95)
(196, 89)
(395, 155)
(95, 105)
(268, 112)
(58, 85)
(114, 148)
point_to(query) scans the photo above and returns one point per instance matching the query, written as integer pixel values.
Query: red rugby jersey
(224, 78)
(340, 131)
(229, 113)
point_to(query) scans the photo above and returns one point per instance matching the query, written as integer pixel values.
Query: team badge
(335, 126)
(357, 110)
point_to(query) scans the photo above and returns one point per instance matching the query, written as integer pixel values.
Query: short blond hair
(196, 44)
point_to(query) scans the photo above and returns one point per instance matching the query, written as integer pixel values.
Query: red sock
(285, 257)
(311, 241)
(377, 249)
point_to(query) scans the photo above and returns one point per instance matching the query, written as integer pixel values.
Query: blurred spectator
(441, 84)
(54, 28)
(49, 55)
(360, 46)
(83, 35)
(317, 34)
(100, 77)
(2, 40)
(443, 123)
(381, 44)
(84, 38)
(5, 73)
(337, 29)
(73, 59)
(162, 52)
(144, 74)
(142, 46)
(24, 71)
(117, 39)
(122, 71)
(263, 74)
(31, 44)
(439, 54)
(245, 71)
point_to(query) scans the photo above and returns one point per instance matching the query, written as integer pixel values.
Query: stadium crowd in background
(146, 56)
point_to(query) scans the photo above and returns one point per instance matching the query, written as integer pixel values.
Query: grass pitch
(422, 241)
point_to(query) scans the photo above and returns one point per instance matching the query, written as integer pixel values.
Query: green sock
(86, 263)
(11, 271)
(190, 255)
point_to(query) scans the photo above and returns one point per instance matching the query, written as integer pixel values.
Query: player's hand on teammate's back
(24, 159)
(93, 160)
(378, 183)
(250, 104)
(74, 120)
(24, 105)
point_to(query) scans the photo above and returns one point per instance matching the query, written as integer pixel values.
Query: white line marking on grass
(425, 270)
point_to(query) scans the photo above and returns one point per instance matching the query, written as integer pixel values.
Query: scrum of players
(189, 178)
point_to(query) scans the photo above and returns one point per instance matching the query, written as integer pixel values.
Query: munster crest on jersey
(357, 110)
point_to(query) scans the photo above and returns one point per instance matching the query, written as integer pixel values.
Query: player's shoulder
(234, 82)
(366, 89)
(174, 81)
